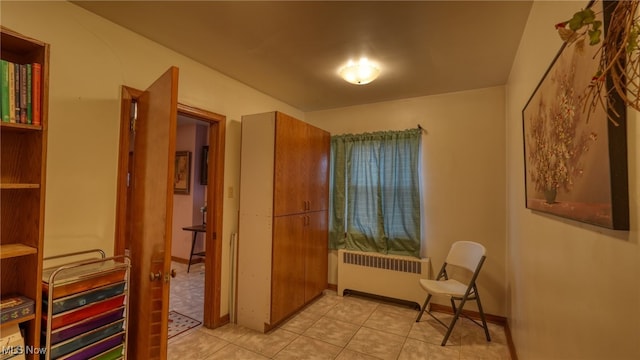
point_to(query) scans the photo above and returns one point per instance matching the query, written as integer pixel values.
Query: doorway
(188, 250)
(215, 131)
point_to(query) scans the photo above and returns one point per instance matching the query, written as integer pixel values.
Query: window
(375, 192)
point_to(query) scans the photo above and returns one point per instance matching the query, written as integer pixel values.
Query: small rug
(179, 323)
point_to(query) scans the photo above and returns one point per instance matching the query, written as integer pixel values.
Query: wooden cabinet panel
(316, 254)
(318, 178)
(288, 266)
(291, 166)
(301, 174)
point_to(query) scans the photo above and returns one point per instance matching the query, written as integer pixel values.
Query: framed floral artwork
(182, 177)
(575, 156)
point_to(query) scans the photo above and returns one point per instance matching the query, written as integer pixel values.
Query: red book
(36, 96)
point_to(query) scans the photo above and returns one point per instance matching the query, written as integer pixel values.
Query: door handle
(156, 276)
(171, 274)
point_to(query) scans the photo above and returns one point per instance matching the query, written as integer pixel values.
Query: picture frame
(204, 166)
(576, 161)
(182, 177)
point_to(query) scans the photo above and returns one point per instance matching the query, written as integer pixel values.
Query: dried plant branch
(619, 56)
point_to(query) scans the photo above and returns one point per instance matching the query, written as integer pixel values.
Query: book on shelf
(23, 94)
(4, 90)
(28, 83)
(15, 93)
(36, 96)
(12, 92)
(14, 307)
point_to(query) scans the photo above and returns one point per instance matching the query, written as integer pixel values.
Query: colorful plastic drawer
(84, 298)
(75, 315)
(83, 326)
(95, 349)
(113, 354)
(64, 288)
(86, 339)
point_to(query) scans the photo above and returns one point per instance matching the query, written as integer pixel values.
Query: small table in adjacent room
(195, 229)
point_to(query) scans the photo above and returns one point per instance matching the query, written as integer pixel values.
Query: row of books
(20, 92)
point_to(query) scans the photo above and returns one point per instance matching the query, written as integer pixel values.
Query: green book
(4, 88)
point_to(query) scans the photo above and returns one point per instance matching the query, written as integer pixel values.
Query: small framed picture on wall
(182, 178)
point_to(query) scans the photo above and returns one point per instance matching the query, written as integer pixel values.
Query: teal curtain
(375, 192)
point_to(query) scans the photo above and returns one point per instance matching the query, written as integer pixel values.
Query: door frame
(215, 195)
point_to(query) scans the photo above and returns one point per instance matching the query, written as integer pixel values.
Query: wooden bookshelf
(22, 183)
(14, 250)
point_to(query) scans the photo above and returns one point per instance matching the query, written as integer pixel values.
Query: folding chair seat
(463, 254)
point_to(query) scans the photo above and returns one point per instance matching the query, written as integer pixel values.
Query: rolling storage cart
(85, 307)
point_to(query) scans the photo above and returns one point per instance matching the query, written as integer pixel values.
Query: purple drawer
(89, 324)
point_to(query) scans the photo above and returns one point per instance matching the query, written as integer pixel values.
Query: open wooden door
(151, 218)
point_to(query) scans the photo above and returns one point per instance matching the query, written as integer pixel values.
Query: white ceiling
(292, 50)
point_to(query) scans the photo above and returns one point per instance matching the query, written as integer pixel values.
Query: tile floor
(187, 290)
(332, 327)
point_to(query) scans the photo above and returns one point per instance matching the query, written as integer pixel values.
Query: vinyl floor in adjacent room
(335, 327)
(187, 290)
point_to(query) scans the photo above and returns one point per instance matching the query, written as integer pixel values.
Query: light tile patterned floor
(187, 290)
(334, 327)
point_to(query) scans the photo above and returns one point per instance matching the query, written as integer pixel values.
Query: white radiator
(383, 275)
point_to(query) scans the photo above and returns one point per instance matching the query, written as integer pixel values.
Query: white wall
(573, 289)
(91, 59)
(463, 172)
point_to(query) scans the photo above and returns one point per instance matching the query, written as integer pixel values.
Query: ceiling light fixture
(361, 72)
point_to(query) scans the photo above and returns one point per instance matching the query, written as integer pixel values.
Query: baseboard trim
(512, 346)
(224, 320)
(186, 261)
(333, 287)
(494, 319)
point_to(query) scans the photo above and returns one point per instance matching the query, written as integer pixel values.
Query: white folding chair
(464, 254)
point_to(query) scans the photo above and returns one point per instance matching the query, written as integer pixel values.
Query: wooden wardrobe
(283, 223)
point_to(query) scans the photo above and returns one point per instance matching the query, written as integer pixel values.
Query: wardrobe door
(316, 254)
(291, 166)
(288, 266)
(318, 160)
